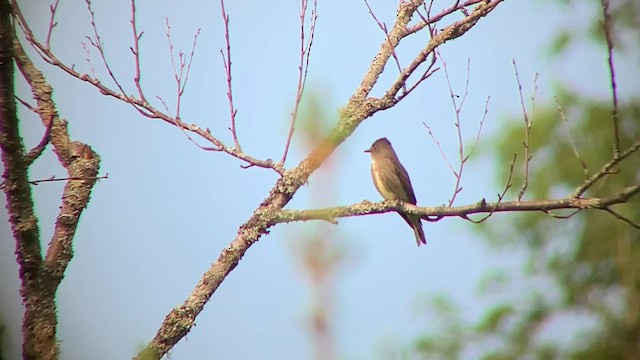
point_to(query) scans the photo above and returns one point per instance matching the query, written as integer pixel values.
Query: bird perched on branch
(392, 182)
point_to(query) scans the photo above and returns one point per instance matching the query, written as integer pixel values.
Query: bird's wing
(404, 175)
(402, 184)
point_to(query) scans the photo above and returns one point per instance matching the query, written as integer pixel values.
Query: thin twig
(38, 149)
(431, 20)
(477, 139)
(191, 55)
(466, 86)
(87, 59)
(72, 178)
(144, 108)
(303, 69)
(26, 104)
(136, 50)
(565, 122)
(562, 217)
(176, 122)
(97, 43)
(180, 76)
(605, 170)
(527, 131)
(227, 68)
(612, 75)
(52, 23)
(384, 29)
(429, 70)
(452, 31)
(500, 196)
(457, 108)
(165, 106)
(425, 75)
(444, 156)
(622, 217)
(207, 148)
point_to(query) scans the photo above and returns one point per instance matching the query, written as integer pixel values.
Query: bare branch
(384, 29)
(303, 68)
(136, 51)
(96, 41)
(190, 138)
(612, 75)
(141, 106)
(605, 170)
(40, 277)
(52, 23)
(181, 78)
(68, 178)
(39, 321)
(527, 130)
(623, 218)
(359, 107)
(87, 59)
(366, 208)
(181, 319)
(37, 151)
(165, 106)
(430, 70)
(477, 139)
(455, 174)
(565, 121)
(457, 6)
(556, 216)
(456, 109)
(191, 55)
(26, 104)
(80, 161)
(400, 30)
(227, 68)
(507, 186)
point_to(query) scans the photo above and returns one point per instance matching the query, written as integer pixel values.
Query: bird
(392, 182)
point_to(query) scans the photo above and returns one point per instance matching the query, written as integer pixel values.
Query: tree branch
(142, 106)
(606, 169)
(527, 129)
(38, 149)
(303, 68)
(181, 319)
(80, 161)
(40, 279)
(39, 322)
(439, 212)
(606, 25)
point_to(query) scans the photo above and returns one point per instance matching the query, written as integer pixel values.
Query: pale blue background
(168, 208)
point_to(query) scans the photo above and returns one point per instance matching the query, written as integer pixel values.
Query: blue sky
(169, 208)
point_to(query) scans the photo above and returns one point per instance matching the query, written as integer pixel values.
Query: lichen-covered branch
(80, 161)
(39, 276)
(359, 107)
(438, 212)
(39, 320)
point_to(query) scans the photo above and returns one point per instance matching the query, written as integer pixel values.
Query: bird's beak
(368, 150)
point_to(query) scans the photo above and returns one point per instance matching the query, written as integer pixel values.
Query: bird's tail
(418, 231)
(416, 225)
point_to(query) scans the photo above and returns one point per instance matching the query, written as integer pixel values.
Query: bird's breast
(381, 182)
